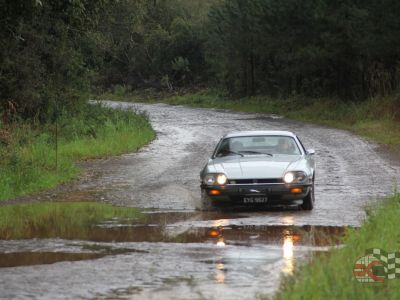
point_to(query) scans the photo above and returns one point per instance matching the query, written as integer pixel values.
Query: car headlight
(295, 177)
(219, 179)
(289, 177)
(209, 179)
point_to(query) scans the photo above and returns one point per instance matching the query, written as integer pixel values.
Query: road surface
(180, 252)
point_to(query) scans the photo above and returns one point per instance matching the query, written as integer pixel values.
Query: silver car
(259, 168)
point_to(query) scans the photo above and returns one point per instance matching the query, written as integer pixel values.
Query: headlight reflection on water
(289, 240)
(221, 242)
(288, 220)
(288, 257)
(220, 273)
(220, 223)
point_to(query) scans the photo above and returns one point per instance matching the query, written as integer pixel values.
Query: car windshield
(255, 145)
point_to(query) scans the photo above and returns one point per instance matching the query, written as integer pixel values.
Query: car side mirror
(310, 152)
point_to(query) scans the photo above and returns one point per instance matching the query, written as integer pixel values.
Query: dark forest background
(54, 53)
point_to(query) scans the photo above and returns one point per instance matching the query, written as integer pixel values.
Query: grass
(330, 276)
(29, 161)
(71, 220)
(376, 118)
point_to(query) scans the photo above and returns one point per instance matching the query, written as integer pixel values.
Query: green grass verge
(28, 151)
(70, 220)
(375, 118)
(330, 275)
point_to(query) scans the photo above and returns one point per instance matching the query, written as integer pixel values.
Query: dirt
(181, 252)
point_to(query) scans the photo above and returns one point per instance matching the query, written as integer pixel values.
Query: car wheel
(308, 201)
(206, 202)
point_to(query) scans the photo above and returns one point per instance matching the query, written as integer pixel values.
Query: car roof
(259, 133)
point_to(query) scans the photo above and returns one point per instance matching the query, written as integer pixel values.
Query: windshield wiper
(255, 152)
(230, 152)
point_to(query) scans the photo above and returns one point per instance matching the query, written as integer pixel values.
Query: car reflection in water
(216, 234)
(287, 239)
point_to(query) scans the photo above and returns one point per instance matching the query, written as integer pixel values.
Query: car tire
(206, 202)
(308, 201)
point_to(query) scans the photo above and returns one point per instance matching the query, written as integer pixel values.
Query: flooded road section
(178, 251)
(161, 258)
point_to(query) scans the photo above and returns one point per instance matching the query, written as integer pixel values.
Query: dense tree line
(52, 52)
(346, 48)
(154, 43)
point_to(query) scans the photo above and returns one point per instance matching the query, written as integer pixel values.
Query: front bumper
(275, 193)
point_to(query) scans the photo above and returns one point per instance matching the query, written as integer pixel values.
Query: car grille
(255, 181)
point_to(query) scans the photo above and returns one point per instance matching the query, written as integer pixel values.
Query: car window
(281, 145)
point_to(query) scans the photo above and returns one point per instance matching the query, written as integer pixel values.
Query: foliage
(33, 161)
(44, 55)
(53, 52)
(153, 44)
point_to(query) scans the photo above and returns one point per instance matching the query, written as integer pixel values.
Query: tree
(41, 60)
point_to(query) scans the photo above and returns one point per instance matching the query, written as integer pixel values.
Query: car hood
(255, 167)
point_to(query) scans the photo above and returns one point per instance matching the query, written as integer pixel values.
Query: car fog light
(297, 190)
(214, 192)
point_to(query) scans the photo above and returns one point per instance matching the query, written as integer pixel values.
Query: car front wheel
(206, 202)
(308, 201)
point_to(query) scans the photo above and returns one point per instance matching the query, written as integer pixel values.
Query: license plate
(254, 200)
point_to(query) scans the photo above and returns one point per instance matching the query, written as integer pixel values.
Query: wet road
(181, 252)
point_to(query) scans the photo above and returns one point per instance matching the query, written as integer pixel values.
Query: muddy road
(179, 252)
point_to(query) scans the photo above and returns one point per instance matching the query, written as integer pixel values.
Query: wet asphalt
(179, 251)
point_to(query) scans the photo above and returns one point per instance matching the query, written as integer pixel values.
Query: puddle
(113, 237)
(310, 236)
(239, 235)
(218, 262)
(194, 227)
(87, 252)
(75, 196)
(169, 253)
(18, 259)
